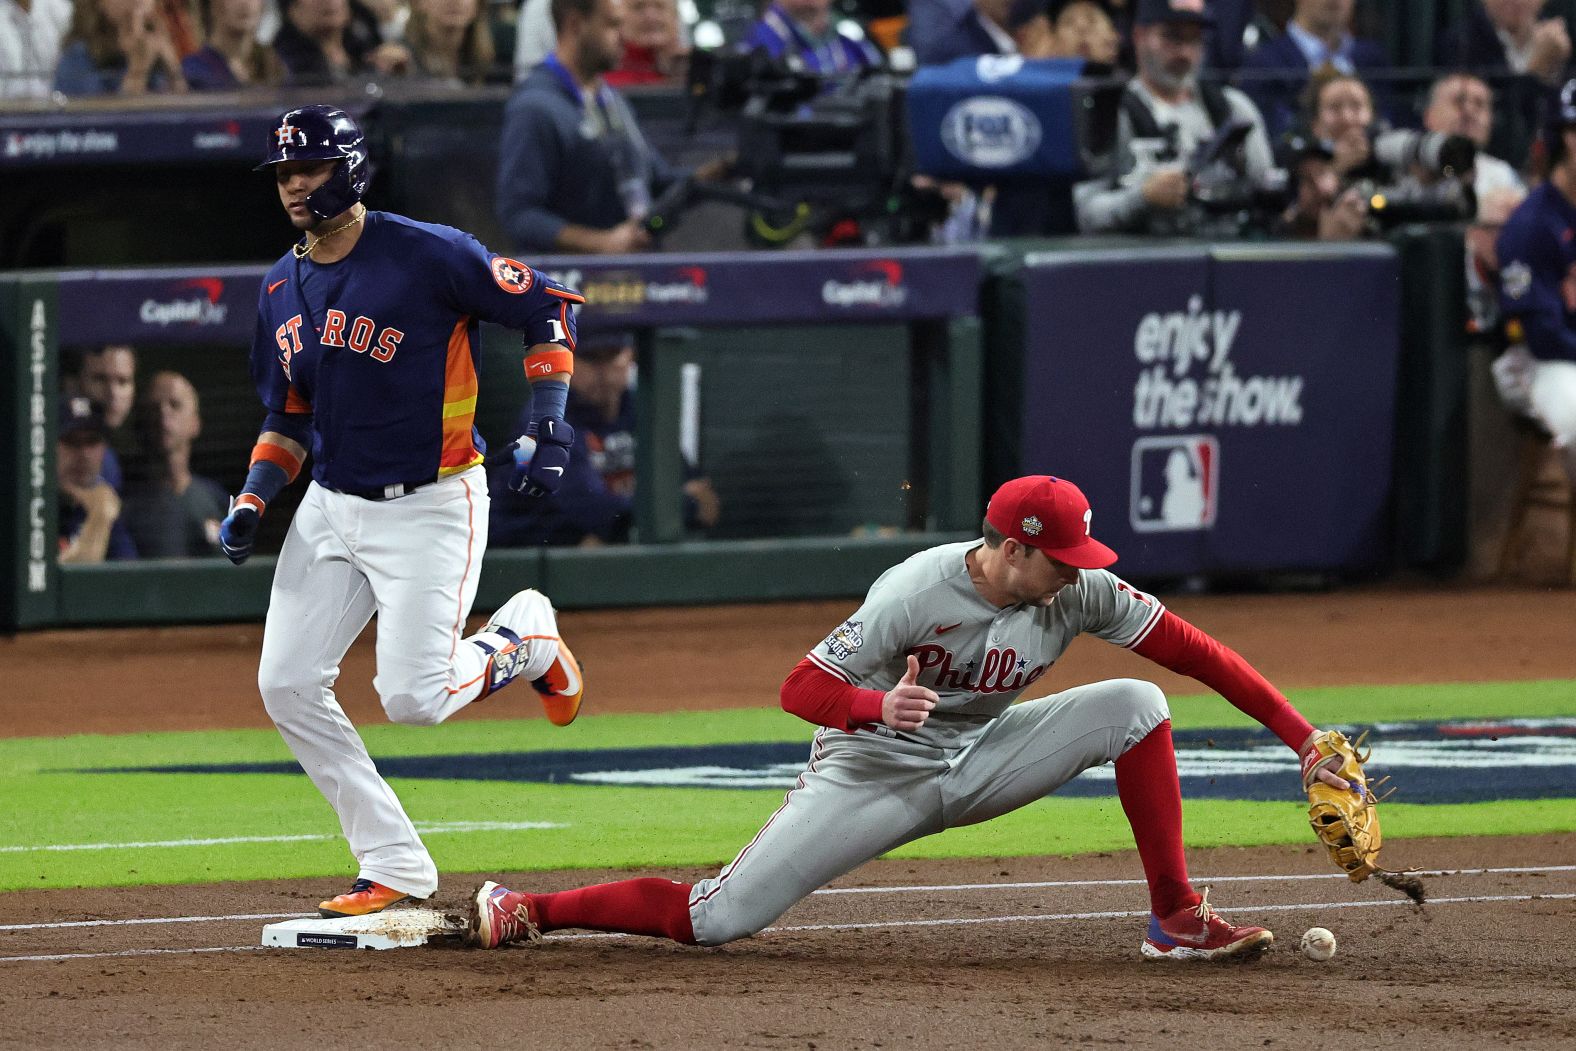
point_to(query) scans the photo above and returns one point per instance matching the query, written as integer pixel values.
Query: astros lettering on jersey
(400, 406)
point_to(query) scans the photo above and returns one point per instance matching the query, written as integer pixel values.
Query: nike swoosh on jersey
(276, 284)
(555, 470)
(949, 627)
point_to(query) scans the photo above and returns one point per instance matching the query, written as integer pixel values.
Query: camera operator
(1166, 116)
(1404, 175)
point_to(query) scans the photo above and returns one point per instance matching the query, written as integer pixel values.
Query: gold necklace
(306, 247)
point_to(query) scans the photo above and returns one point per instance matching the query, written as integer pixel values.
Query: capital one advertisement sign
(1227, 412)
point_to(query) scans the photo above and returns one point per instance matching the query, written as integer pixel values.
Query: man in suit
(1318, 35)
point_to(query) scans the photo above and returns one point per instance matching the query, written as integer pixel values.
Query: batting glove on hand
(238, 532)
(539, 462)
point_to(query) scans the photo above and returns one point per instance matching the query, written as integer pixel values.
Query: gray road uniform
(869, 791)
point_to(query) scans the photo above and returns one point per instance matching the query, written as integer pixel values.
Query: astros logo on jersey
(512, 275)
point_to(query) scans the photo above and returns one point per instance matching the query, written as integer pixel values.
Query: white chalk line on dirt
(1196, 879)
(876, 925)
(428, 829)
(239, 917)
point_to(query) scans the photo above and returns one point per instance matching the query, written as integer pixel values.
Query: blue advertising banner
(219, 304)
(186, 136)
(1226, 410)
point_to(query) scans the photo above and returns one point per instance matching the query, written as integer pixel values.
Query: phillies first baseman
(366, 352)
(919, 733)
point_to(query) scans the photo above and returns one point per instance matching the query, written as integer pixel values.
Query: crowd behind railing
(1284, 118)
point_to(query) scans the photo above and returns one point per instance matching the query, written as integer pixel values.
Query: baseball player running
(914, 693)
(366, 353)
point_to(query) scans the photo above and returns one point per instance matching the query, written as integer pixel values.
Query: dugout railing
(846, 304)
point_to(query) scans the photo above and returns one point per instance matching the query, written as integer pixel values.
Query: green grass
(48, 803)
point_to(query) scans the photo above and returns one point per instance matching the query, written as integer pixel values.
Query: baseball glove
(1345, 820)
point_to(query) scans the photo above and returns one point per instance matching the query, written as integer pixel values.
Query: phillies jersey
(1537, 275)
(382, 348)
(978, 658)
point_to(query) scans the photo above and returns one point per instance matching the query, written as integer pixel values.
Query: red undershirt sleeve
(1175, 644)
(822, 698)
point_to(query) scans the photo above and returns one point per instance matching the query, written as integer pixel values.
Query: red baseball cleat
(1200, 933)
(363, 899)
(500, 915)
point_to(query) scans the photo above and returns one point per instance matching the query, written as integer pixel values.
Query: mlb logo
(1176, 483)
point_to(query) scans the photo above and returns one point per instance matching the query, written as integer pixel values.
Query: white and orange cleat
(363, 899)
(527, 623)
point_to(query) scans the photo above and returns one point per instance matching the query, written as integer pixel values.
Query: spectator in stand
(1463, 104)
(322, 42)
(233, 58)
(1340, 112)
(1520, 54)
(118, 47)
(450, 41)
(30, 35)
(170, 512)
(1083, 29)
(534, 36)
(942, 30)
(90, 526)
(655, 50)
(1319, 36)
(1507, 36)
(1494, 209)
(595, 504)
(107, 376)
(804, 36)
(575, 174)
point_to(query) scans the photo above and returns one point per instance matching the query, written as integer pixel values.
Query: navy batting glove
(238, 532)
(541, 471)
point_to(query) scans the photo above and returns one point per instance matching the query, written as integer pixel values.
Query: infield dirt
(954, 966)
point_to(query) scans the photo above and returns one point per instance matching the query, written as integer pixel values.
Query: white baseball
(1318, 944)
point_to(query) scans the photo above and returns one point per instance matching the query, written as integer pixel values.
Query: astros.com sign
(990, 131)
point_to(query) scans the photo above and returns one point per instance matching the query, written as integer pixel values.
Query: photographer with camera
(1182, 147)
(1402, 174)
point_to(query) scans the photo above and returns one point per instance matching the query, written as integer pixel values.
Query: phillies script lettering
(1002, 671)
(339, 331)
(1171, 346)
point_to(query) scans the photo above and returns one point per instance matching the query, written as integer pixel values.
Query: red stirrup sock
(655, 907)
(1146, 782)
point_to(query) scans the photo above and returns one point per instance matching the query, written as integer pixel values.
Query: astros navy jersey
(1537, 276)
(979, 658)
(382, 347)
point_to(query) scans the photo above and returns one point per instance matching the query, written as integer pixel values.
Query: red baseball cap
(1051, 514)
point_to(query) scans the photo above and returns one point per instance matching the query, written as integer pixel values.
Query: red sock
(1146, 782)
(655, 907)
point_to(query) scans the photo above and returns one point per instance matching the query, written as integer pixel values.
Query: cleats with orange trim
(524, 622)
(363, 899)
(561, 687)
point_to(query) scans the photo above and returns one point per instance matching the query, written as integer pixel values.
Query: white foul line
(427, 829)
(882, 924)
(1196, 879)
(237, 917)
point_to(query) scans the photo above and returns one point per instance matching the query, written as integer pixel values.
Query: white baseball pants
(414, 561)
